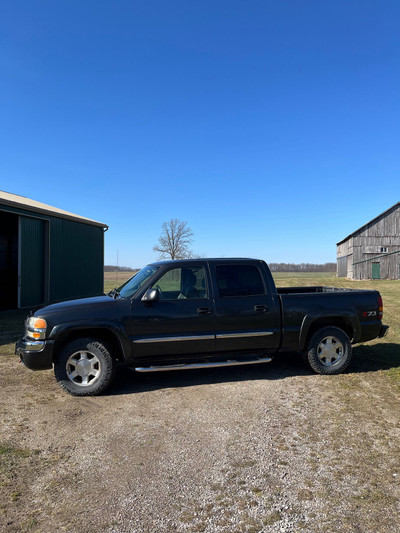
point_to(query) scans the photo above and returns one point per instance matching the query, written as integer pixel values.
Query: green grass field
(113, 280)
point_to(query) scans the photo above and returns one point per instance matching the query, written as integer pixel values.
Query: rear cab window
(239, 280)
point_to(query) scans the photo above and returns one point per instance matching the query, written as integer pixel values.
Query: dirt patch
(273, 449)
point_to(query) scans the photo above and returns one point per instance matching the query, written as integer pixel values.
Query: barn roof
(21, 202)
(395, 206)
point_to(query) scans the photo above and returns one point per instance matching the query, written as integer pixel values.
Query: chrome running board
(183, 366)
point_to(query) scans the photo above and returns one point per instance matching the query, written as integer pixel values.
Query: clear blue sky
(271, 127)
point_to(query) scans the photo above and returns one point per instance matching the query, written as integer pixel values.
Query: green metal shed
(47, 254)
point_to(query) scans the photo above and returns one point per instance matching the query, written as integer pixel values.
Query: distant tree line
(112, 268)
(274, 267)
(302, 267)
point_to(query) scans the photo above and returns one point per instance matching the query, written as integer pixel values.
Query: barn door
(342, 267)
(376, 271)
(31, 262)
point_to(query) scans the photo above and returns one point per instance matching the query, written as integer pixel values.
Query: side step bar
(184, 366)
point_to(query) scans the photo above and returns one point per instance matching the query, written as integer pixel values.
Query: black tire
(84, 367)
(329, 351)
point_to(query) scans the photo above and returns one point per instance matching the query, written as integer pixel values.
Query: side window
(182, 283)
(239, 280)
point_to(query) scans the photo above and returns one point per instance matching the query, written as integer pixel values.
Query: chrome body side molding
(176, 339)
(244, 335)
(205, 337)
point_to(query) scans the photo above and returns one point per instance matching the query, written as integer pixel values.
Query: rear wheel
(84, 367)
(329, 351)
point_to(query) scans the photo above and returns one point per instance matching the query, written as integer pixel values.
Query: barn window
(384, 249)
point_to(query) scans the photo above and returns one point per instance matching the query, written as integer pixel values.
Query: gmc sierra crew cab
(193, 314)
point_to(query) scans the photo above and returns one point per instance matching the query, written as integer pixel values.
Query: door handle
(204, 311)
(260, 308)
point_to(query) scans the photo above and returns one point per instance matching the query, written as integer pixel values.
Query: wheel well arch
(336, 322)
(100, 334)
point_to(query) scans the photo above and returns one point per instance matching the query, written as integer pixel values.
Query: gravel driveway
(271, 448)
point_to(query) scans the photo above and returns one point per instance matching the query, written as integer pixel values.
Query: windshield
(128, 289)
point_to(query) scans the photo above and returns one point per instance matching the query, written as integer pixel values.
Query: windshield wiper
(113, 294)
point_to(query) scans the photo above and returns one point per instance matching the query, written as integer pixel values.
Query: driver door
(180, 325)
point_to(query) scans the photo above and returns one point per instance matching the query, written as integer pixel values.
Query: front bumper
(36, 355)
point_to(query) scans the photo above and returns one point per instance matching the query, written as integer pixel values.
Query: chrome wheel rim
(330, 351)
(83, 368)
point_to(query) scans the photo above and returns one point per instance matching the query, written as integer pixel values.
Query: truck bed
(312, 289)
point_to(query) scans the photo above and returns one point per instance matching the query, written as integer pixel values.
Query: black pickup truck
(194, 314)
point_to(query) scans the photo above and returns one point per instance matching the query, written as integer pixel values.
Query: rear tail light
(380, 307)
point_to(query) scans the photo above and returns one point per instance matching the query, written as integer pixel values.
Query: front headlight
(36, 328)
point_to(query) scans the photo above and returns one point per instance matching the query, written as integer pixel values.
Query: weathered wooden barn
(47, 254)
(372, 251)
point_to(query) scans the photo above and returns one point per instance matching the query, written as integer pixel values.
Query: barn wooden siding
(373, 251)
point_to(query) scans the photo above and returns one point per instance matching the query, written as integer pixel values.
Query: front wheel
(329, 351)
(84, 367)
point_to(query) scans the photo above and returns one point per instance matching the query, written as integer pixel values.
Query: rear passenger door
(247, 314)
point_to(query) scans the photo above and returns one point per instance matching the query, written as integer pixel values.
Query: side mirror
(151, 296)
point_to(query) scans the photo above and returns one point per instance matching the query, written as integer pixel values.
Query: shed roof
(395, 206)
(21, 202)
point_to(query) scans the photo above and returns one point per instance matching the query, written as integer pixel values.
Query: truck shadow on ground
(383, 356)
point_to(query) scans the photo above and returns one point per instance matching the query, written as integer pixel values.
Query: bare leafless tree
(174, 241)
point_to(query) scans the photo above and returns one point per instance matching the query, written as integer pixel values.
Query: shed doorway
(8, 260)
(23, 261)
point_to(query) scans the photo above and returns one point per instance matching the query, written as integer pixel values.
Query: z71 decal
(369, 313)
